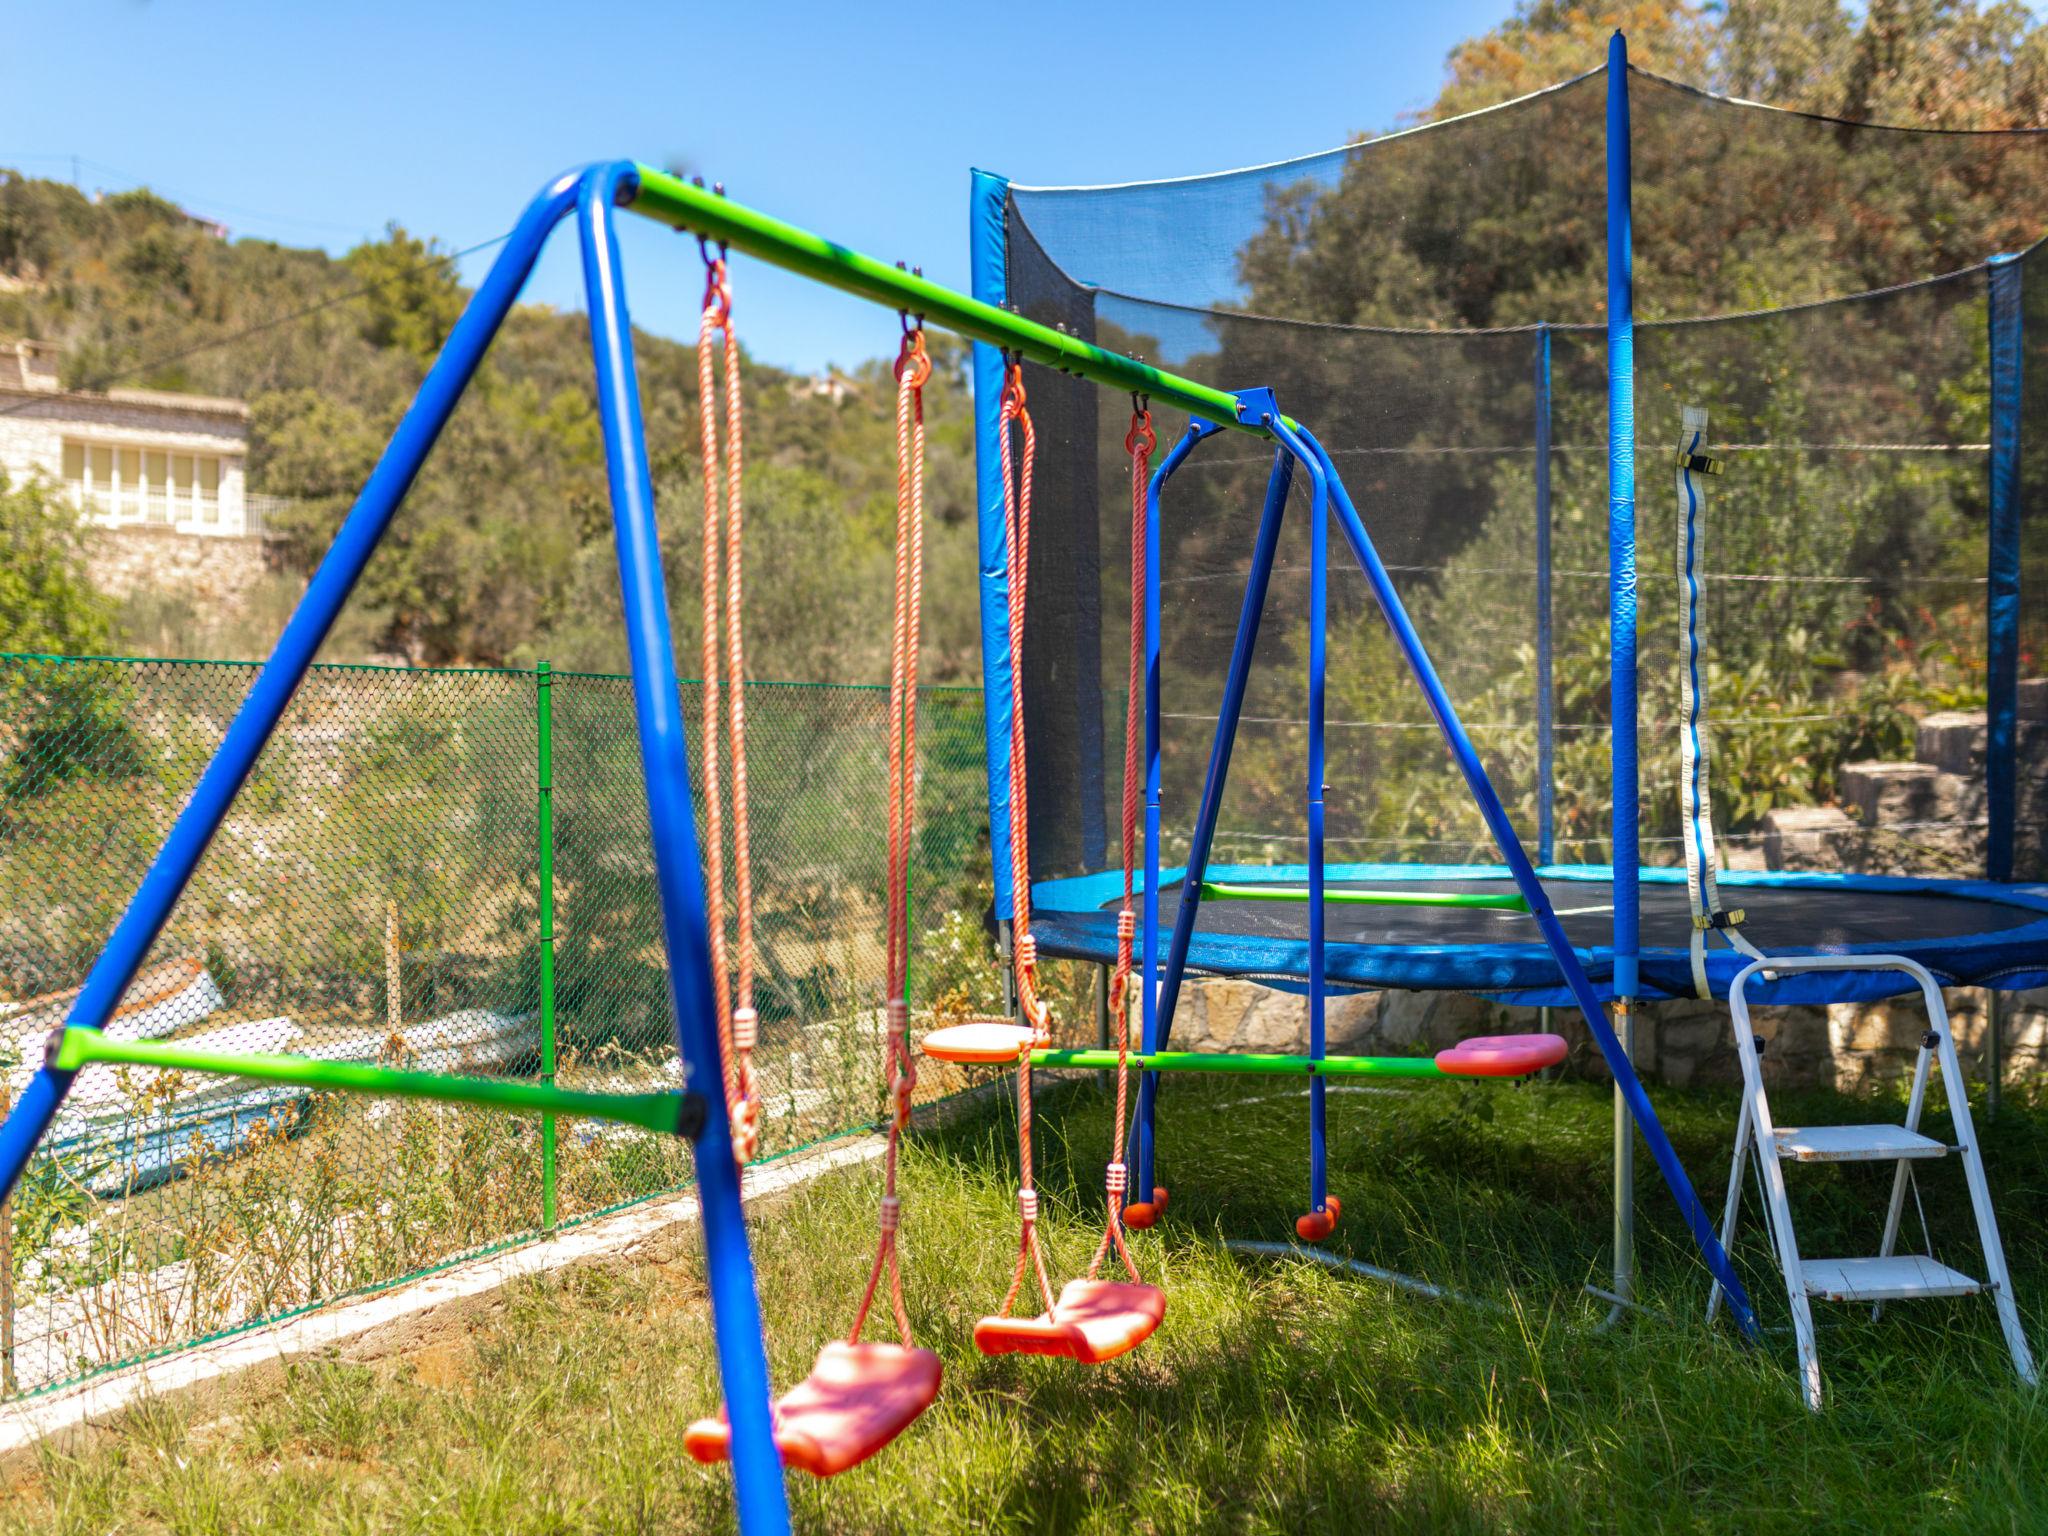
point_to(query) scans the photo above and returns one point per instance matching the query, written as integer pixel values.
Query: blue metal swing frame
(593, 196)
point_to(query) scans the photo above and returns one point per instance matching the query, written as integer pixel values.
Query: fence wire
(374, 895)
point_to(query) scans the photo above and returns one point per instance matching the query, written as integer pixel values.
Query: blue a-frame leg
(1297, 439)
(592, 194)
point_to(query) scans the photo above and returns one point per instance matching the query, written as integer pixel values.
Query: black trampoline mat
(1776, 916)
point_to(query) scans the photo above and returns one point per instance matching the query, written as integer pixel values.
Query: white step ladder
(1887, 1276)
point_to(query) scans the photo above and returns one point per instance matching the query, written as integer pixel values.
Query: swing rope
(1139, 442)
(913, 371)
(724, 668)
(1016, 470)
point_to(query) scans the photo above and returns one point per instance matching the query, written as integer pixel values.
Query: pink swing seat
(1503, 1055)
(1093, 1321)
(857, 1399)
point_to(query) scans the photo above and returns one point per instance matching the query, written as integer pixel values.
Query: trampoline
(1967, 932)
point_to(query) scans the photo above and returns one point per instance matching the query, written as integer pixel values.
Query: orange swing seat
(979, 1042)
(1093, 1321)
(857, 1399)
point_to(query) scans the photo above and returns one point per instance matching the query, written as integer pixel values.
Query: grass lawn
(1278, 1396)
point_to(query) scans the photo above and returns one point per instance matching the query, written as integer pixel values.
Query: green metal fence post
(546, 784)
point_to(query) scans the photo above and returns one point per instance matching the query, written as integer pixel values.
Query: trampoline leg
(1624, 1175)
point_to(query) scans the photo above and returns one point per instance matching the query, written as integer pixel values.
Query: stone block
(1807, 837)
(1890, 794)
(1351, 1023)
(1952, 740)
(2034, 698)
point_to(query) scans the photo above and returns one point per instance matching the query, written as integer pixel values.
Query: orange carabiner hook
(717, 289)
(915, 359)
(1141, 439)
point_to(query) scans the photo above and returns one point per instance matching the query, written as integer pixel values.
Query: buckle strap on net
(1701, 859)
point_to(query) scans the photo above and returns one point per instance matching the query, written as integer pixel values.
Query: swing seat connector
(1140, 1215)
(1318, 1225)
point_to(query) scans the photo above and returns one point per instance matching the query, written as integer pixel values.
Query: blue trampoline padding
(1967, 932)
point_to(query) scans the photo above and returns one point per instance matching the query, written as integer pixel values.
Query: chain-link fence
(376, 894)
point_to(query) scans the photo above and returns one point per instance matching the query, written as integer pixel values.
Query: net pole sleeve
(2002, 629)
(1621, 521)
(165, 881)
(758, 1489)
(988, 278)
(1459, 742)
(1546, 694)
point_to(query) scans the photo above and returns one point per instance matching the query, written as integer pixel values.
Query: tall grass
(1278, 1396)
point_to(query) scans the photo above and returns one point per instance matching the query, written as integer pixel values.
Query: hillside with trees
(502, 553)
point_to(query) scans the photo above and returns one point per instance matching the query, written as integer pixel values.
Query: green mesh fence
(375, 895)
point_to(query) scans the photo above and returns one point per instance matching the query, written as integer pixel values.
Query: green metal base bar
(670, 1114)
(1221, 1061)
(1515, 902)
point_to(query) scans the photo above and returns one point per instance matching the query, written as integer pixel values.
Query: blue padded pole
(165, 880)
(1546, 691)
(1140, 1157)
(664, 754)
(1517, 861)
(1621, 523)
(1218, 771)
(1318, 668)
(2002, 630)
(988, 279)
(1626, 857)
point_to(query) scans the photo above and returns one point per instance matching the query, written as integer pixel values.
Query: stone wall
(1845, 1046)
(1924, 817)
(214, 572)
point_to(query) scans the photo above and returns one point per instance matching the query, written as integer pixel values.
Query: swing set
(860, 1394)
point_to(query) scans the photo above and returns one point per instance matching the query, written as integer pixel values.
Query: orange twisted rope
(1138, 443)
(724, 668)
(1017, 524)
(913, 371)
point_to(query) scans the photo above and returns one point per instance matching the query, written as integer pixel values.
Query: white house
(129, 457)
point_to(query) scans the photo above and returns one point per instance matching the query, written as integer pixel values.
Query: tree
(47, 599)
(411, 298)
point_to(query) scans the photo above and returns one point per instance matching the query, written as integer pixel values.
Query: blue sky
(315, 124)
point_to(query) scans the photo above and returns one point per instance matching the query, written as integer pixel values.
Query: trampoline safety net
(1432, 304)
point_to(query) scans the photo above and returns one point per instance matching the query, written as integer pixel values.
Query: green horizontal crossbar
(669, 1113)
(1509, 902)
(1220, 1061)
(677, 203)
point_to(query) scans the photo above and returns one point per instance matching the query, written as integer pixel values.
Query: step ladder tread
(1855, 1143)
(1898, 1278)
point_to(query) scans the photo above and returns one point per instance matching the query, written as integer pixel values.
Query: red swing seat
(857, 1399)
(1093, 1321)
(1503, 1055)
